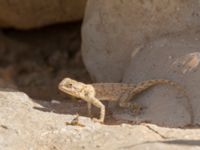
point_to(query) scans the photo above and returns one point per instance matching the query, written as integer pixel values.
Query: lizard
(122, 92)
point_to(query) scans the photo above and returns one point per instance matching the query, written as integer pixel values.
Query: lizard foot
(97, 120)
(136, 108)
(75, 122)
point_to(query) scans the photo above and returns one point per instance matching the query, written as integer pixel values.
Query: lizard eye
(69, 85)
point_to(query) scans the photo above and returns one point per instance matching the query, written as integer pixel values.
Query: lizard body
(121, 92)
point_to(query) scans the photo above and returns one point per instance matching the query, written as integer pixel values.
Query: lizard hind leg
(124, 102)
(136, 108)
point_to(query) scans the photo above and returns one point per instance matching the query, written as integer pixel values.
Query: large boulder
(114, 30)
(25, 14)
(133, 41)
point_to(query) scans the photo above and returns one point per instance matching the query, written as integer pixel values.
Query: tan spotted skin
(121, 92)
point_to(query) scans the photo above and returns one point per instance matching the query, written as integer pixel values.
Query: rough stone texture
(112, 31)
(26, 124)
(26, 14)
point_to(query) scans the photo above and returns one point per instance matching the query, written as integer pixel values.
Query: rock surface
(26, 124)
(174, 57)
(113, 31)
(26, 14)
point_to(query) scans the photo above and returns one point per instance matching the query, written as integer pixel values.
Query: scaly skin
(121, 92)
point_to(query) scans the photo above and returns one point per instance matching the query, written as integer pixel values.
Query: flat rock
(24, 124)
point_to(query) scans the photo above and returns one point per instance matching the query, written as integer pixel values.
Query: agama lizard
(121, 92)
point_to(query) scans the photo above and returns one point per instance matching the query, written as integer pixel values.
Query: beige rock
(113, 30)
(26, 124)
(175, 57)
(26, 14)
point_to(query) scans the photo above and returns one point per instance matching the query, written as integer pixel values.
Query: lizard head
(71, 87)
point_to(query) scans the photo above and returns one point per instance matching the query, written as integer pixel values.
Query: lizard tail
(150, 83)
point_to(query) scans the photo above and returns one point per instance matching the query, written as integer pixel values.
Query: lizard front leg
(99, 105)
(89, 106)
(88, 95)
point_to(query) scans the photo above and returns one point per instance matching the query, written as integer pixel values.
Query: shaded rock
(28, 14)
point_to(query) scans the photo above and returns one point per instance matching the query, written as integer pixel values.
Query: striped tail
(142, 86)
